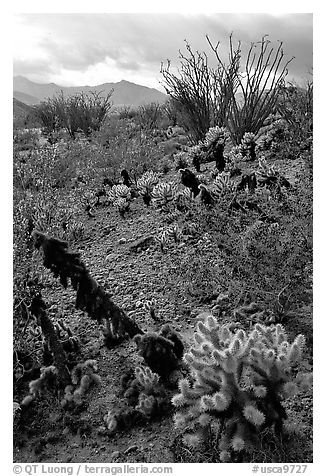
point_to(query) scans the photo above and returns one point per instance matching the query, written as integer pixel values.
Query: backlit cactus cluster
(120, 197)
(162, 351)
(238, 381)
(184, 199)
(173, 231)
(147, 182)
(152, 392)
(181, 160)
(216, 135)
(223, 184)
(270, 176)
(163, 194)
(76, 230)
(233, 161)
(265, 169)
(38, 387)
(248, 146)
(162, 239)
(83, 376)
(146, 398)
(273, 134)
(150, 306)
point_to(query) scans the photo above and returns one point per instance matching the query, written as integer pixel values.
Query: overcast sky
(90, 49)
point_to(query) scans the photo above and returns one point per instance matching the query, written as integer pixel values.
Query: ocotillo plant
(91, 297)
(238, 382)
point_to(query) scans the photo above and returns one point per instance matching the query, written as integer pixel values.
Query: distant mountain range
(124, 92)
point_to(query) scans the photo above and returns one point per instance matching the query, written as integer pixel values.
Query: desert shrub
(150, 116)
(81, 112)
(295, 105)
(266, 251)
(25, 139)
(47, 114)
(128, 146)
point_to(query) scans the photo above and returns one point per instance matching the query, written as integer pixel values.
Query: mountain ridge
(125, 93)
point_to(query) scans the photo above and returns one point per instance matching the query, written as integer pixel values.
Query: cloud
(127, 44)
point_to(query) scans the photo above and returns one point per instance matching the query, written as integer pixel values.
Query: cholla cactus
(163, 194)
(270, 176)
(147, 379)
(184, 199)
(88, 197)
(111, 421)
(175, 232)
(190, 228)
(216, 135)
(181, 160)
(76, 230)
(83, 376)
(223, 184)
(119, 191)
(122, 205)
(233, 161)
(120, 197)
(146, 183)
(271, 135)
(248, 146)
(196, 155)
(146, 404)
(238, 382)
(162, 238)
(151, 307)
(173, 216)
(202, 178)
(266, 170)
(161, 351)
(38, 386)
